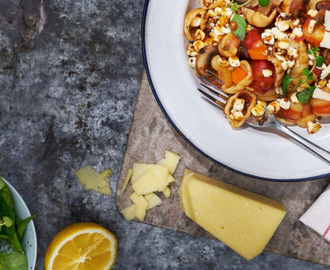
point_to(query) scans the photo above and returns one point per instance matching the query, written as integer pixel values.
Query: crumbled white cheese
(312, 12)
(267, 73)
(311, 26)
(291, 64)
(325, 72)
(238, 104)
(325, 43)
(327, 20)
(296, 22)
(320, 94)
(284, 65)
(297, 32)
(234, 61)
(235, 115)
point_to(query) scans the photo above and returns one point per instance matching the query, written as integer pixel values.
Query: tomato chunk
(262, 84)
(253, 40)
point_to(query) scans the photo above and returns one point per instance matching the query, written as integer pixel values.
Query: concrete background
(69, 76)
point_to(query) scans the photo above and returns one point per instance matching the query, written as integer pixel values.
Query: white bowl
(245, 150)
(29, 240)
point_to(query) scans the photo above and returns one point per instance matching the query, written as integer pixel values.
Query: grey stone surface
(69, 77)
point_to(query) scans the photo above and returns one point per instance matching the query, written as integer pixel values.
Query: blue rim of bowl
(13, 190)
(144, 55)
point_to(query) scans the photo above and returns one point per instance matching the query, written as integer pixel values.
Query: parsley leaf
(240, 32)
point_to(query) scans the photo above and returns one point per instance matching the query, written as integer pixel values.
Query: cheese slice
(129, 212)
(327, 20)
(139, 169)
(325, 43)
(243, 220)
(141, 205)
(153, 200)
(154, 179)
(170, 161)
(91, 180)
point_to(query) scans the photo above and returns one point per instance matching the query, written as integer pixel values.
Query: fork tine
(212, 98)
(216, 91)
(216, 81)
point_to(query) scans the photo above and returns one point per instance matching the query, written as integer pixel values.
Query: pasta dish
(270, 56)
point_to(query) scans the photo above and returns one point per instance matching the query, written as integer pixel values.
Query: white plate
(29, 240)
(246, 150)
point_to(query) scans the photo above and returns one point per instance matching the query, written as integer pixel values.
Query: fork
(218, 98)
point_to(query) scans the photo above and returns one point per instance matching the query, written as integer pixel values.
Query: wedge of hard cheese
(243, 220)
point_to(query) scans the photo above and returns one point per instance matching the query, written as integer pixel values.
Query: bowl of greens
(18, 241)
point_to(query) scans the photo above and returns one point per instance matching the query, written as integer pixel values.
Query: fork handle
(319, 151)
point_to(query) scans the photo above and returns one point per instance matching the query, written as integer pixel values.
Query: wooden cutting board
(151, 134)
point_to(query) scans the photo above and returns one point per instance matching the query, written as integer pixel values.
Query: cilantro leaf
(240, 32)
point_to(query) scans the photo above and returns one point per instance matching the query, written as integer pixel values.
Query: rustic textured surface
(151, 134)
(70, 72)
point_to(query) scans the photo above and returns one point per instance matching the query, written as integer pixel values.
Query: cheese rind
(243, 220)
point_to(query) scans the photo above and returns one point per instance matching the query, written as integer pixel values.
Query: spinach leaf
(13, 261)
(21, 225)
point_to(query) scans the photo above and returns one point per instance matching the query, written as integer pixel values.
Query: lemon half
(79, 246)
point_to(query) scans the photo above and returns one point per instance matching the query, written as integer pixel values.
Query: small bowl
(29, 240)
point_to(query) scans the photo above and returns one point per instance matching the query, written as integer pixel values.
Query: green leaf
(6, 194)
(310, 51)
(13, 261)
(263, 3)
(240, 32)
(309, 74)
(22, 224)
(319, 60)
(305, 95)
(234, 7)
(286, 82)
(7, 221)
